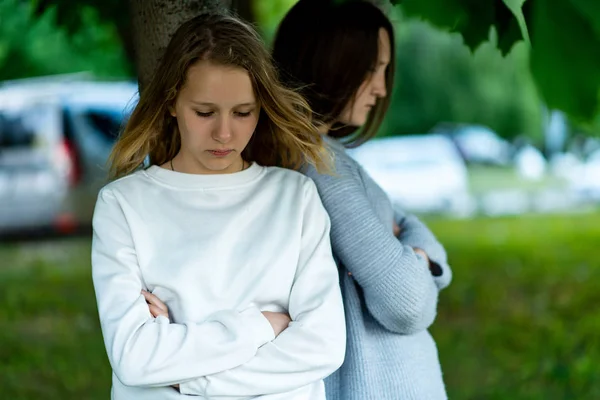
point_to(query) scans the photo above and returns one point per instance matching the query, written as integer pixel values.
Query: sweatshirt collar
(204, 181)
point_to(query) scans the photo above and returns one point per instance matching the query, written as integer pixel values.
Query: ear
(171, 109)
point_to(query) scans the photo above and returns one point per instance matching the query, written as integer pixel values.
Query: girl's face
(217, 114)
(373, 87)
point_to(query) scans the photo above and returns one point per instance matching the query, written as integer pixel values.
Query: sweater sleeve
(398, 288)
(313, 346)
(144, 351)
(415, 233)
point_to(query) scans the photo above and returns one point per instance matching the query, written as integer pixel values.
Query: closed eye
(204, 114)
(243, 114)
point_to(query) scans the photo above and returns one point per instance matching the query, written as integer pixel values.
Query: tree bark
(244, 10)
(155, 21)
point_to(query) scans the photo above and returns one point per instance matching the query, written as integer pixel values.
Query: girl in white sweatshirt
(234, 245)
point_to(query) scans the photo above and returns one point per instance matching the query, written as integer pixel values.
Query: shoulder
(291, 181)
(287, 177)
(124, 185)
(344, 166)
(346, 178)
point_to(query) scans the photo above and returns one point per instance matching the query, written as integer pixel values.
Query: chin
(358, 122)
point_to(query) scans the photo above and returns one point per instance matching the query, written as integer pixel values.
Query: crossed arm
(232, 354)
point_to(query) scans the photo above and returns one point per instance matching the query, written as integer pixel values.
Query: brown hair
(332, 56)
(285, 135)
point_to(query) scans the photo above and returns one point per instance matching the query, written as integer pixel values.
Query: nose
(379, 88)
(222, 132)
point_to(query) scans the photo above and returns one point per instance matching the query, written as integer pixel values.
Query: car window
(33, 126)
(14, 132)
(106, 122)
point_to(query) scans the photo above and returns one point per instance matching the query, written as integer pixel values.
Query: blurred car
(477, 144)
(585, 184)
(530, 163)
(420, 173)
(54, 143)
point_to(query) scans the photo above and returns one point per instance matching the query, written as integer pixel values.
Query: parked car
(585, 183)
(54, 145)
(420, 173)
(477, 144)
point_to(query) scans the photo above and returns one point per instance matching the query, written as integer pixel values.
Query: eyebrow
(202, 103)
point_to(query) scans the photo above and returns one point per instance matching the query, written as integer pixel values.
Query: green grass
(489, 178)
(50, 341)
(518, 322)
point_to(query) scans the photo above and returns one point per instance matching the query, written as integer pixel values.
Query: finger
(148, 297)
(156, 312)
(157, 302)
(152, 299)
(153, 311)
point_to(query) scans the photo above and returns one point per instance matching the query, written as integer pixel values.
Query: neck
(189, 165)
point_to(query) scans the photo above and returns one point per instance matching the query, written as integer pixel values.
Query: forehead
(218, 84)
(384, 46)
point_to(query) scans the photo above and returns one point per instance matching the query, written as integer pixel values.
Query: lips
(220, 153)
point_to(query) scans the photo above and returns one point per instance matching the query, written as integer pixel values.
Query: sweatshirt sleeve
(142, 350)
(415, 233)
(398, 287)
(313, 346)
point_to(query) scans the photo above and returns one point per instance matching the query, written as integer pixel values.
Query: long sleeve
(415, 233)
(398, 288)
(144, 351)
(313, 346)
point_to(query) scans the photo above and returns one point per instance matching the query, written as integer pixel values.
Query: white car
(478, 144)
(420, 173)
(585, 184)
(55, 139)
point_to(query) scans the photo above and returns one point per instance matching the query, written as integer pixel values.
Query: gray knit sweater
(390, 294)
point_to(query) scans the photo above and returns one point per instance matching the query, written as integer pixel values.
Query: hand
(396, 229)
(279, 321)
(422, 254)
(156, 306)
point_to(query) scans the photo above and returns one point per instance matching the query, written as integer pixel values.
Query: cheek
(347, 114)
(360, 105)
(183, 128)
(246, 127)
(359, 114)
(194, 129)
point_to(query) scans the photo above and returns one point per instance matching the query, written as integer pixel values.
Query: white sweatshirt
(218, 250)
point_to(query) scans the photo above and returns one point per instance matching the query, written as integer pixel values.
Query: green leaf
(589, 9)
(565, 56)
(472, 18)
(507, 27)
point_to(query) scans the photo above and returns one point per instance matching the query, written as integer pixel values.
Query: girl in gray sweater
(341, 57)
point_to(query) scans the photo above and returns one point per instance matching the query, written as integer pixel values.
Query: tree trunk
(244, 10)
(155, 21)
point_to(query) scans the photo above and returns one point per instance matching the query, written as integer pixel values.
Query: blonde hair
(285, 135)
